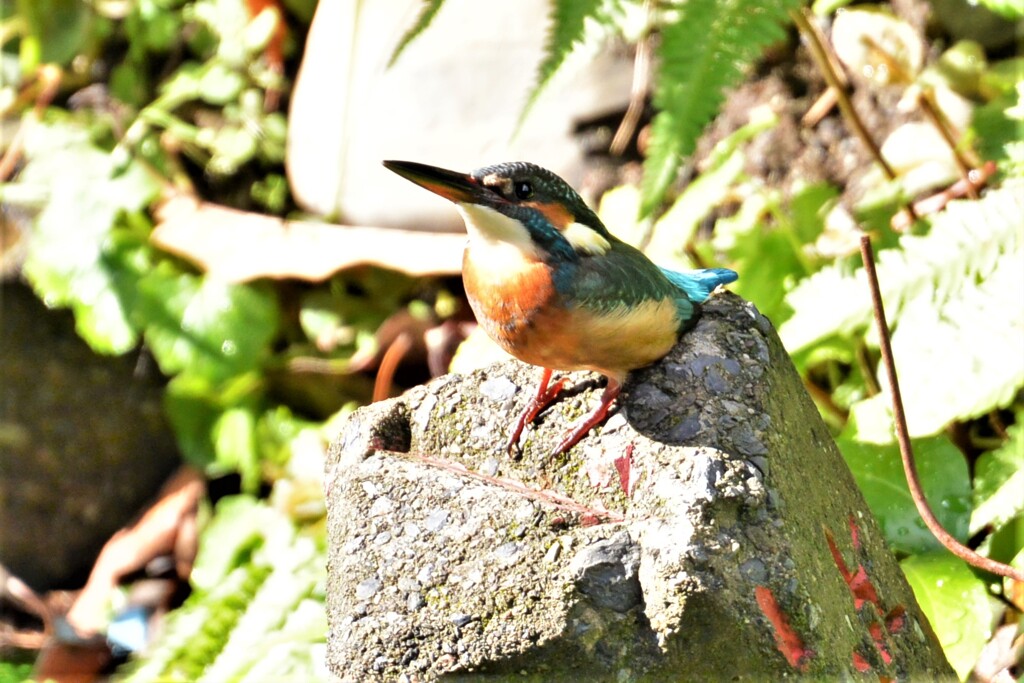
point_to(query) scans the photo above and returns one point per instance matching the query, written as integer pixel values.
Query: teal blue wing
(698, 284)
(624, 276)
(621, 277)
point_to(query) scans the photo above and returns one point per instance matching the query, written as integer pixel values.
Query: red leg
(588, 422)
(538, 403)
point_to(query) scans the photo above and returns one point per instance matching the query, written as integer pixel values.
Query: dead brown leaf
(165, 528)
(237, 246)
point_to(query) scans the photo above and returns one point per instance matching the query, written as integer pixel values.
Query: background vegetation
(121, 101)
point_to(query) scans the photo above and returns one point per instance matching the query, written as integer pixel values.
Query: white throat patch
(496, 238)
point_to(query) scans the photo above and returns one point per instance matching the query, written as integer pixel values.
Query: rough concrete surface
(709, 530)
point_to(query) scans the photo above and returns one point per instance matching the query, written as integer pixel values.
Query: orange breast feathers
(521, 311)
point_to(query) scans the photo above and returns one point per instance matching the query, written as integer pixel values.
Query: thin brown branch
(637, 98)
(926, 101)
(388, 364)
(552, 498)
(47, 83)
(823, 59)
(976, 179)
(903, 435)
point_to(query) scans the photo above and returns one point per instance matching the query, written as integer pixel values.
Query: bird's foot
(545, 395)
(588, 422)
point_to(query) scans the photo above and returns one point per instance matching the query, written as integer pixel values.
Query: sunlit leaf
(72, 260)
(722, 170)
(256, 612)
(234, 445)
(956, 603)
(235, 246)
(194, 404)
(878, 471)
(204, 325)
(999, 481)
(946, 295)
(1009, 9)
(877, 46)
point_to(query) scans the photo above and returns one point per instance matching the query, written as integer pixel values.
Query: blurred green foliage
(184, 96)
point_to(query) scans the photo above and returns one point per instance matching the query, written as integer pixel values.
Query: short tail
(698, 284)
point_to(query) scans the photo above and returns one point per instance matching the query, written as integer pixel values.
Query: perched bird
(553, 287)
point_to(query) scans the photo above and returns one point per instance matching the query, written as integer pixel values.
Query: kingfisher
(553, 287)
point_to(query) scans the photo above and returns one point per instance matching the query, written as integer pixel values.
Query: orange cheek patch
(557, 215)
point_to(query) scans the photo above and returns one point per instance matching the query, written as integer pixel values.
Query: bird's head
(517, 203)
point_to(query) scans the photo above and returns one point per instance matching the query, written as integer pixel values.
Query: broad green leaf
(234, 445)
(946, 296)
(722, 172)
(1006, 544)
(240, 525)
(999, 481)
(942, 468)
(956, 603)
(208, 327)
(56, 31)
(218, 84)
(72, 260)
(194, 406)
(1009, 9)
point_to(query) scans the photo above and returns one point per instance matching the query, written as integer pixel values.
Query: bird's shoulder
(621, 277)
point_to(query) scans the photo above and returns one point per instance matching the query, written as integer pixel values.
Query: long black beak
(453, 186)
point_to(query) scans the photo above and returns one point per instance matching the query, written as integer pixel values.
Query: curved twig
(903, 436)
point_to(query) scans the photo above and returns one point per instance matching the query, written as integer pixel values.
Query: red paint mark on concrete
(863, 590)
(878, 635)
(854, 533)
(896, 620)
(786, 639)
(624, 466)
(865, 595)
(857, 581)
(860, 664)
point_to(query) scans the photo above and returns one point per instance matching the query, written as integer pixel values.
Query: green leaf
(722, 172)
(211, 328)
(234, 444)
(1006, 544)
(219, 84)
(956, 603)
(72, 260)
(1008, 9)
(999, 481)
(567, 27)
(942, 469)
(257, 611)
(240, 525)
(705, 48)
(57, 31)
(426, 16)
(946, 295)
(194, 405)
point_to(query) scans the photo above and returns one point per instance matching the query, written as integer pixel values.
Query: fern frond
(427, 14)
(567, 26)
(704, 49)
(954, 299)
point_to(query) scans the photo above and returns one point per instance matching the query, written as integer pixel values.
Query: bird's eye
(523, 189)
